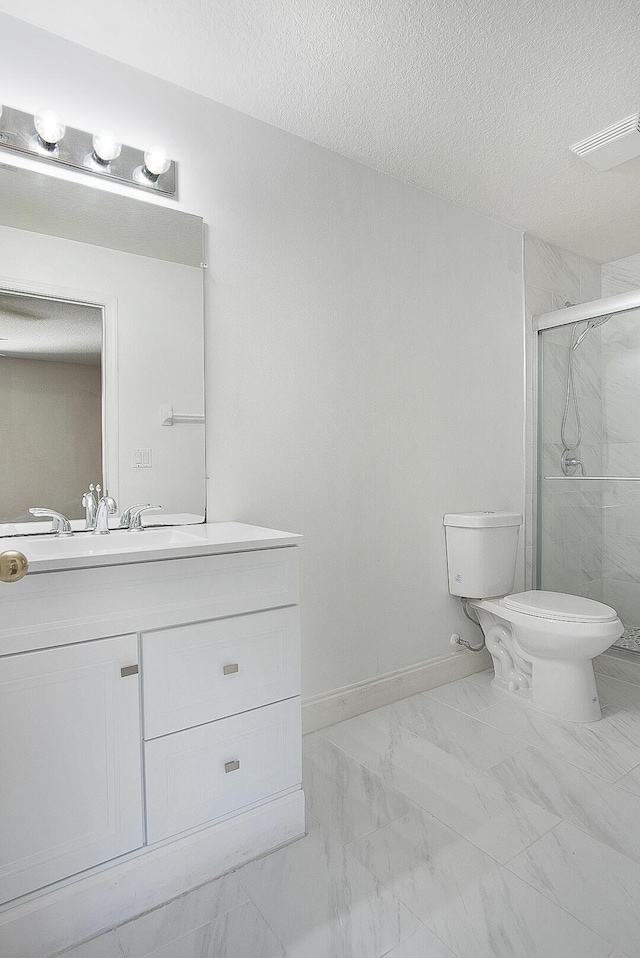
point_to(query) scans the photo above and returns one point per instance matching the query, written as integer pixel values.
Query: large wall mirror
(101, 352)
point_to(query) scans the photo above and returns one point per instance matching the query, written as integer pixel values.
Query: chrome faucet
(106, 507)
(61, 525)
(132, 517)
(90, 504)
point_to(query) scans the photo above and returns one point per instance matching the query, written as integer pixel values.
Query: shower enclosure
(589, 457)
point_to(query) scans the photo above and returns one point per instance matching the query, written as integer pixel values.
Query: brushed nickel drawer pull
(232, 766)
(230, 669)
(129, 670)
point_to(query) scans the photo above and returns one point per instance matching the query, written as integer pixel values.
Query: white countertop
(50, 553)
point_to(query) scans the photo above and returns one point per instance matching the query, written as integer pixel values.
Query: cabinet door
(70, 763)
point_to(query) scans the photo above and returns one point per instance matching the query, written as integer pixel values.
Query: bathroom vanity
(150, 723)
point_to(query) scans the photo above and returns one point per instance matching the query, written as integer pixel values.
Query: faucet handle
(125, 518)
(60, 524)
(136, 515)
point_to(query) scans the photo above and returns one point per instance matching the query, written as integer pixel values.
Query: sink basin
(50, 553)
(85, 545)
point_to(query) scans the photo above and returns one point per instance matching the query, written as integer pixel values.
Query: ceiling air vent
(610, 147)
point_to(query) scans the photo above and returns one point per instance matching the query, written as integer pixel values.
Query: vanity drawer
(201, 774)
(197, 673)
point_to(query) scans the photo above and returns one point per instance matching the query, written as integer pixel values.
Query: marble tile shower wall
(572, 548)
(621, 450)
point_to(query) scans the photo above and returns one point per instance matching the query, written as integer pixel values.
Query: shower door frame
(619, 303)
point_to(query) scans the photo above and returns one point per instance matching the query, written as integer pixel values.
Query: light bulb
(156, 161)
(49, 127)
(106, 147)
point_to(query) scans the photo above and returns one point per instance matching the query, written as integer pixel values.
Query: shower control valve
(569, 463)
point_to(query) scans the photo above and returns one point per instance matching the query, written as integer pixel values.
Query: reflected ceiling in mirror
(50, 330)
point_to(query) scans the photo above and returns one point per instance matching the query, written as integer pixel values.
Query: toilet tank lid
(560, 606)
(482, 520)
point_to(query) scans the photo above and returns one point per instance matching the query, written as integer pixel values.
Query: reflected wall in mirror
(133, 272)
(50, 404)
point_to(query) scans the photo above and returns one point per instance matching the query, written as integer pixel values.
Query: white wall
(51, 428)
(364, 347)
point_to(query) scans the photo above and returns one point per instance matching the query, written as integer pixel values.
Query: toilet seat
(559, 607)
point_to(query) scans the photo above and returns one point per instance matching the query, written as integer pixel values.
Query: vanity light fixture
(45, 137)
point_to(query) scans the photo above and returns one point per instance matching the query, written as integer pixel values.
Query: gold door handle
(13, 566)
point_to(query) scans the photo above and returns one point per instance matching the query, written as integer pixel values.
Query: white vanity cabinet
(150, 733)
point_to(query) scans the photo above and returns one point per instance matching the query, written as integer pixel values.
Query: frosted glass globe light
(49, 127)
(156, 161)
(106, 147)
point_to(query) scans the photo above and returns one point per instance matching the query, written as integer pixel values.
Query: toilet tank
(481, 552)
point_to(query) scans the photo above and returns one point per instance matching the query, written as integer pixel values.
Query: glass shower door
(589, 464)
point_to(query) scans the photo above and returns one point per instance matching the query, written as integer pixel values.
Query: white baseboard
(66, 915)
(318, 711)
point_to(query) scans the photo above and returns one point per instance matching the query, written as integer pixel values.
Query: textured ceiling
(476, 100)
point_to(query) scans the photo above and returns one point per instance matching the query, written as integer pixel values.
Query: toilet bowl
(542, 643)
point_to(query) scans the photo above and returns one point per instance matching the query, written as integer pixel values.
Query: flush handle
(129, 670)
(232, 766)
(230, 669)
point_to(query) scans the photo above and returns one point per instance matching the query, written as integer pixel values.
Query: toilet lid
(559, 606)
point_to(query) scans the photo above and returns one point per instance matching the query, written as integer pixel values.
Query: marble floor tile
(586, 746)
(631, 781)
(623, 724)
(240, 933)
(423, 944)
(464, 695)
(320, 901)
(476, 906)
(614, 692)
(481, 678)
(605, 898)
(157, 928)
(607, 812)
(452, 731)
(494, 818)
(346, 798)
(104, 946)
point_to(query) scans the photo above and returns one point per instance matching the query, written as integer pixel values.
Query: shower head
(591, 324)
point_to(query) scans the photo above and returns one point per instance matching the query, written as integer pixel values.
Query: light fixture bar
(98, 155)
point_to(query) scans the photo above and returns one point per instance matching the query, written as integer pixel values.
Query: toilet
(542, 643)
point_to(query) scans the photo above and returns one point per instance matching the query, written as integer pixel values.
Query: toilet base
(565, 689)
